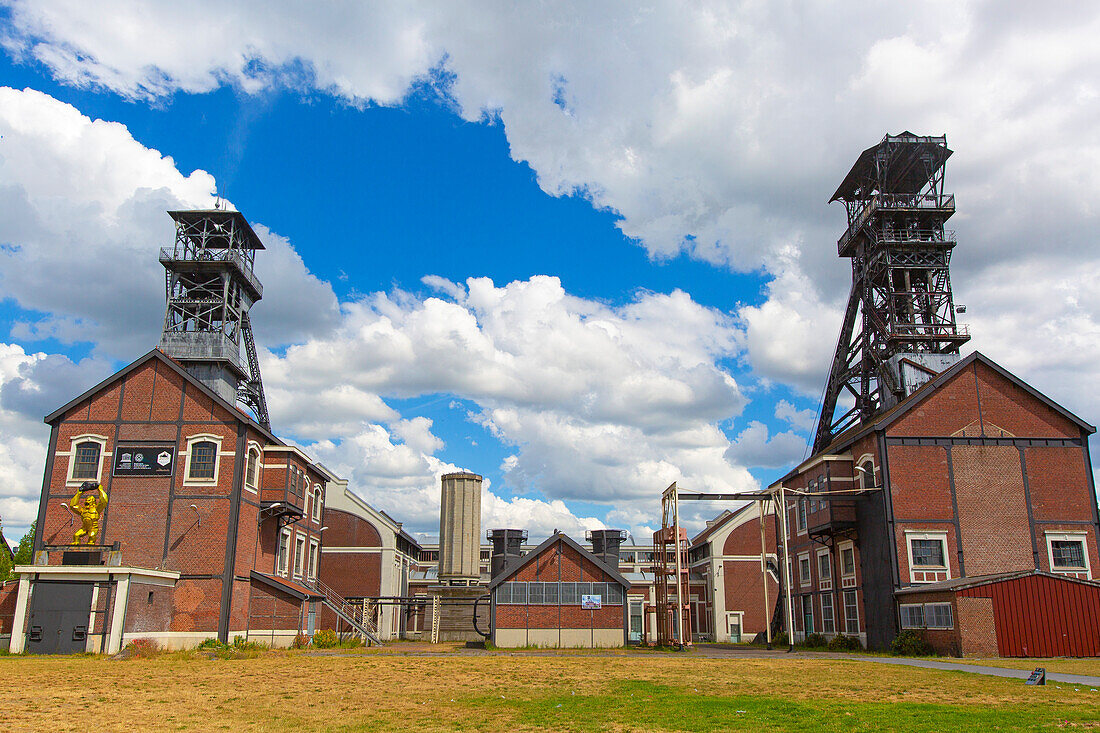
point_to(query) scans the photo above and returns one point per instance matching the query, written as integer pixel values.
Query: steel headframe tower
(210, 286)
(900, 305)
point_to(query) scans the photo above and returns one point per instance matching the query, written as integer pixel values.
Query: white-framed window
(800, 520)
(299, 555)
(203, 459)
(928, 560)
(927, 616)
(848, 559)
(866, 473)
(282, 553)
(912, 616)
(1068, 553)
(318, 502)
(252, 468)
(804, 569)
(851, 612)
(824, 569)
(314, 553)
(86, 454)
(807, 614)
(828, 623)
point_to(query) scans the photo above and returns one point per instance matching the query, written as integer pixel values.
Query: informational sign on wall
(592, 602)
(144, 460)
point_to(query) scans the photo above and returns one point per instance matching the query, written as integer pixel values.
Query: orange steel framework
(670, 545)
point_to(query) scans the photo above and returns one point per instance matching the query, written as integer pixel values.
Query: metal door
(59, 617)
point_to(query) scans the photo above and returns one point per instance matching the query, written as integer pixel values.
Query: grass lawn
(368, 692)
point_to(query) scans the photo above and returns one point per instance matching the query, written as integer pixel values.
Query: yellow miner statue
(88, 511)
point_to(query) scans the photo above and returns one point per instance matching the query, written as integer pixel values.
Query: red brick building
(369, 558)
(1025, 614)
(728, 600)
(559, 595)
(214, 524)
(973, 474)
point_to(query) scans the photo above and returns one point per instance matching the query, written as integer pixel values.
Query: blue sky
(625, 246)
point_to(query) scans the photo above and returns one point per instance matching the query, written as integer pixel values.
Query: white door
(733, 625)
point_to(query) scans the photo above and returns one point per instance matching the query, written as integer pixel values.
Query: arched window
(867, 475)
(317, 502)
(252, 471)
(86, 460)
(204, 454)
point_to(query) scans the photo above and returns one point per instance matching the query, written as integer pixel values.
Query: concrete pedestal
(456, 613)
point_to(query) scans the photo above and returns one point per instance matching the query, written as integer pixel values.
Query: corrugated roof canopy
(221, 217)
(904, 172)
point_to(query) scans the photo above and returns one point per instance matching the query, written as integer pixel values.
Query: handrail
(172, 254)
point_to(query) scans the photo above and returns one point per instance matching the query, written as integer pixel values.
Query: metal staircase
(355, 615)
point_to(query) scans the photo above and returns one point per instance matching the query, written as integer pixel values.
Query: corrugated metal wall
(1040, 616)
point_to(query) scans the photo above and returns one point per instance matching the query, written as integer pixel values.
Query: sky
(581, 249)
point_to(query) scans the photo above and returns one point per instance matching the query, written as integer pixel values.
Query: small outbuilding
(1024, 614)
(559, 595)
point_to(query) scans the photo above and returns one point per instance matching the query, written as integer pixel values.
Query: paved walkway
(1021, 674)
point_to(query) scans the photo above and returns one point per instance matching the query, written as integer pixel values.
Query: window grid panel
(912, 617)
(827, 624)
(851, 612)
(203, 456)
(87, 461)
(1068, 553)
(938, 616)
(927, 553)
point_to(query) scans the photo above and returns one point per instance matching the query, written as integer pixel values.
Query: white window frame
(282, 553)
(300, 546)
(318, 503)
(1064, 536)
(253, 482)
(844, 605)
(913, 569)
(801, 515)
(845, 547)
(203, 438)
(832, 613)
(808, 577)
(906, 608)
(86, 438)
(314, 558)
(825, 583)
(925, 615)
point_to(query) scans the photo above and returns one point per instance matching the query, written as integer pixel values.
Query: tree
(24, 554)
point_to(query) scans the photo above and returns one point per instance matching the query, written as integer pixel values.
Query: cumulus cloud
(602, 404)
(753, 447)
(801, 419)
(23, 436)
(82, 215)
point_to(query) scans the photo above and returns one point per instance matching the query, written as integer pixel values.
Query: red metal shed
(1029, 614)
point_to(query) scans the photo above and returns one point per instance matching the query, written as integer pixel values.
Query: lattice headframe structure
(901, 300)
(210, 285)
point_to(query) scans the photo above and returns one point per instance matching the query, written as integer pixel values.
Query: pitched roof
(516, 564)
(883, 420)
(978, 580)
(172, 364)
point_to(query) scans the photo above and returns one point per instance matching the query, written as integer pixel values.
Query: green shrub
(815, 640)
(211, 645)
(911, 643)
(842, 643)
(325, 639)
